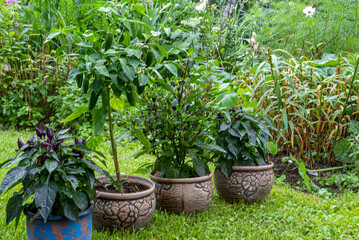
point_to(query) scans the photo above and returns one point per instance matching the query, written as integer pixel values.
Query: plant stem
(113, 146)
(329, 169)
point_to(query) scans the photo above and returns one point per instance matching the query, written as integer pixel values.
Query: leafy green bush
(173, 124)
(46, 166)
(245, 136)
(31, 70)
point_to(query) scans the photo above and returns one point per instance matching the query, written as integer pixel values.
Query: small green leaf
(71, 211)
(13, 207)
(73, 181)
(129, 71)
(84, 44)
(77, 113)
(117, 104)
(172, 172)
(303, 173)
(172, 68)
(93, 166)
(199, 166)
(226, 167)
(94, 141)
(102, 70)
(285, 119)
(227, 100)
(142, 138)
(73, 74)
(53, 33)
(45, 197)
(11, 177)
(123, 136)
(212, 147)
(80, 199)
(66, 191)
(142, 79)
(273, 148)
(51, 165)
(166, 86)
(98, 120)
(63, 131)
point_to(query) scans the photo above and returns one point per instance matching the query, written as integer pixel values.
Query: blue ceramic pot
(58, 227)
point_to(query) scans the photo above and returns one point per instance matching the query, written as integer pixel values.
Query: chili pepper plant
(57, 176)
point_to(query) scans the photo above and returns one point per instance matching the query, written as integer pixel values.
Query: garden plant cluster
(219, 119)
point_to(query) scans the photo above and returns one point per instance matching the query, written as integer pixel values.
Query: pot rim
(127, 196)
(58, 218)
(250, 168)
(182, 180)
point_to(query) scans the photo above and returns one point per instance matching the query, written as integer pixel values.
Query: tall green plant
(119, 59)
(311, 102)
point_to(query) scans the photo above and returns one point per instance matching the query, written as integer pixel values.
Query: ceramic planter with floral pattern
(183, 195)
(124, 211)
(250, 183)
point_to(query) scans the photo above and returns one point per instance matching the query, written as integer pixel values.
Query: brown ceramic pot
(250, 183)
(187, 195)
(124, 211)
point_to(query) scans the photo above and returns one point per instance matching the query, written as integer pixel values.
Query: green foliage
(245, 136)
(311, 102)
(31, 71)
(172, 124)
(55, 177)
(348, 180)
(347, 150)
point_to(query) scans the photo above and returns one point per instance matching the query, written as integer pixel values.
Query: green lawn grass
(286, 214)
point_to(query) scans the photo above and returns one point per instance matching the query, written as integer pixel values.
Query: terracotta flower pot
(59, 227)
(187, 195)
(250, 183)
(124, 211)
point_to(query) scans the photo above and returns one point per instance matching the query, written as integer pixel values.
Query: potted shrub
(172, 125)
(57, 179)
(112, 65)
(243, 172)
(130, 202)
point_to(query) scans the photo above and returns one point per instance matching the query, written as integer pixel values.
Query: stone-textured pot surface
(250, 183)
(187, 195)
(124, 211)
(59, 227)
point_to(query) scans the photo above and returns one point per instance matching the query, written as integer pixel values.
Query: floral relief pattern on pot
(186, 195)
(130, 211)
(126, 213)
(251, 184)
(159, 187)
(206, 187)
